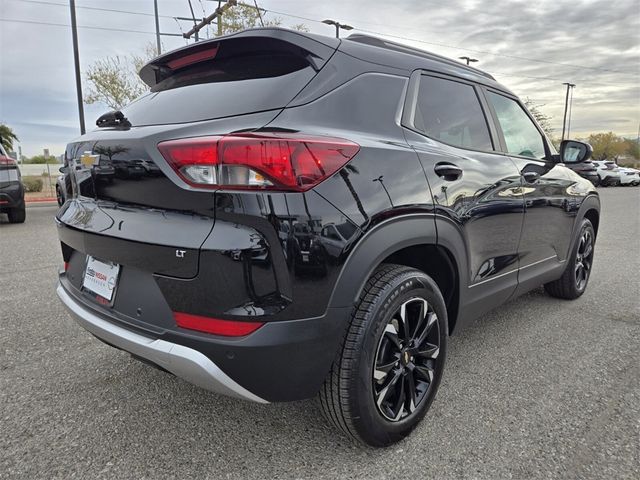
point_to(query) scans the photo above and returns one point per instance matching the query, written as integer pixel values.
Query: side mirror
(572, 151)
(62, 169)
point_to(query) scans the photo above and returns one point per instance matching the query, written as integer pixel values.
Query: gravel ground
(539, 388)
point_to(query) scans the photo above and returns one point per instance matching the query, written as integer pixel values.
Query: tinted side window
(450, 112)
(520, 134)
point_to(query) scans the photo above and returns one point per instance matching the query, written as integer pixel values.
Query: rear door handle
(448, 171)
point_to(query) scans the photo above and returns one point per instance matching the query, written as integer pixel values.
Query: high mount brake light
(197, 57)
(265, 161)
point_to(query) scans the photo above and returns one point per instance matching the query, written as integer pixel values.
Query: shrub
(32, 184)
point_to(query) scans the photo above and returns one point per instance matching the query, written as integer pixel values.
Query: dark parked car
(11, 189)
(449, 198)
(586, 170)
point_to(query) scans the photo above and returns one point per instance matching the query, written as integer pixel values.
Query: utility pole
(338, 26)
(468, 59)
(193, 15)
(206, 21)
(76, 60)
(158, 44)
(566, 105)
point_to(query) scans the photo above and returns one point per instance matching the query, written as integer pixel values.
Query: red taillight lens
(7, 160)
(227, 328)
(268, 161)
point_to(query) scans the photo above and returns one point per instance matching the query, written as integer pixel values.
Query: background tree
(114, 81)
(543, 119)
(241, 17)
(607, 146)
(7, 137)
(632, 148)
(39, 159)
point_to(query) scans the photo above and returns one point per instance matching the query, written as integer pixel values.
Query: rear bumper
(182, 361)
(610, 179)
(281, 361)
(12, 196)
(593, 177)
(628, 179)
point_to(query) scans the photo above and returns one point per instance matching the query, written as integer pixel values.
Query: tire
(17, 215)
(59, 196)
(353, 396)
(576, 276)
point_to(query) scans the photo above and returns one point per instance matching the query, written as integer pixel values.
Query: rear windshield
(222, 88)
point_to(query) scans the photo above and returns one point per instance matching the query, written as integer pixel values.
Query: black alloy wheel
(584, 259)
(405, 359)
(391, 359)
(575, 277)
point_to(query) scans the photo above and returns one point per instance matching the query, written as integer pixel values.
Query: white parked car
(608, 172)
(629, 176)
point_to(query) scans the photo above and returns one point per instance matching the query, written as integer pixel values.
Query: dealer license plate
(101, 278)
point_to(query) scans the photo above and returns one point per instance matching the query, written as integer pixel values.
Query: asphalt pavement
(538, 388)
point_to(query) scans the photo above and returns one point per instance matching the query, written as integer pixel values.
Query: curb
(41, 200)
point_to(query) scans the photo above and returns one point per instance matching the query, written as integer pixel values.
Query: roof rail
(399, 47)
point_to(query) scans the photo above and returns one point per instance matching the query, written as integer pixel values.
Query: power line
(461, 48)
(34, 22)
(101, 9)
(506, 55)
(485, 52)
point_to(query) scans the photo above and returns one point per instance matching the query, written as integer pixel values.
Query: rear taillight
(216, 326)
(7, 161)
(266, 161)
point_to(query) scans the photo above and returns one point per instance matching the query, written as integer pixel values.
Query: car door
(550, 209)
(474, 185)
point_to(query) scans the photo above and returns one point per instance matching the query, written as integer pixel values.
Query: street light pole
(76, 61)
(566, 105)
(158, 45)
(338, 26)
(468, 59)
(570, 109)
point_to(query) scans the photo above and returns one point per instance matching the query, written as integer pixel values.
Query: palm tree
(7, 137)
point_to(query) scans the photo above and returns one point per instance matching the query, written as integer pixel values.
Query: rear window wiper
(114, 118)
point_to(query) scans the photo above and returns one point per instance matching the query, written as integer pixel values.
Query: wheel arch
(412, 241)
(593, 215)
(590, 209)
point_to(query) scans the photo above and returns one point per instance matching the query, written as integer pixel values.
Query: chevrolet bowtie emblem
(89, 160)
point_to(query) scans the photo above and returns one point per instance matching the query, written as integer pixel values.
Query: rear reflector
(227, 328)
(265, 161)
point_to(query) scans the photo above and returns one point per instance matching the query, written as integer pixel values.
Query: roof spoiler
(316, 49)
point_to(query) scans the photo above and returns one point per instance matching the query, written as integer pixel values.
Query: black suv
(11, 189)
(323, 214)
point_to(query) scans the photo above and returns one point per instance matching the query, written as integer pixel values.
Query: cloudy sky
(530, 46)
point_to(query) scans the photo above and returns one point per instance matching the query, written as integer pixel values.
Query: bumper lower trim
(183, 362)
